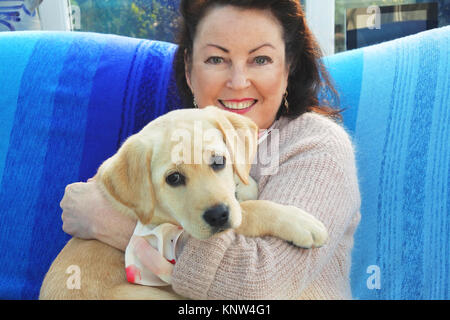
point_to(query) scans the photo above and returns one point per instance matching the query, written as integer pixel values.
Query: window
(158, 19)
(328, 20)
(148, 19)
(391, 12)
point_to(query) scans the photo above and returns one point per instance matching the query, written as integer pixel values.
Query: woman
(257, 58)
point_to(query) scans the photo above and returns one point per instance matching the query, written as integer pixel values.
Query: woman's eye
(175, 179)
(214, 60)
(261, 60)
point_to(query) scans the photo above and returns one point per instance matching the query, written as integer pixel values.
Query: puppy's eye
(175, 179)
(218, 162)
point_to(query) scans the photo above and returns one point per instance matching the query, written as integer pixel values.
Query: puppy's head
(125, 179)
(148, 178)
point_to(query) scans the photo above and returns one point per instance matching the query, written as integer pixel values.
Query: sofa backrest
(397, 95)
(68, 101)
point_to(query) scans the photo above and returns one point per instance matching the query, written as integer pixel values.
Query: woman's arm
(320, 178)
(88, 215)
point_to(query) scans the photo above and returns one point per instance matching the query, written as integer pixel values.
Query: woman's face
(238, 63)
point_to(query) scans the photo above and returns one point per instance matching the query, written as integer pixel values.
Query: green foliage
(148, 19)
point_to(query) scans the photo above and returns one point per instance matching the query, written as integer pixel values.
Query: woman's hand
(151, 258)
(88, 215)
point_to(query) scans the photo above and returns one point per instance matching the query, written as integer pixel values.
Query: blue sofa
(68, 100)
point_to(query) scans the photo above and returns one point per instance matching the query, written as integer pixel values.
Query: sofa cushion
(68, 101)
(397, 95)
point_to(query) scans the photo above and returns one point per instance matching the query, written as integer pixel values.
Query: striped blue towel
(68, 100)
(397, 95)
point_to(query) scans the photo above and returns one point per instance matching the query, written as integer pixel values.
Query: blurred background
(339, 25)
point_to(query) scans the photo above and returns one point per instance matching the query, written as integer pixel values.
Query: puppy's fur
(135, 181)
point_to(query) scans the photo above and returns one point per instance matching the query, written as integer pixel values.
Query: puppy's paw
(246, 192)
(305, 232)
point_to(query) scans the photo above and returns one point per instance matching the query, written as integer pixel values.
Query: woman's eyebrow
(251, 51)
(218, 47)
(261, 46)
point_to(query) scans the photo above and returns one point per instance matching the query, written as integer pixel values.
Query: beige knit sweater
(316, 173)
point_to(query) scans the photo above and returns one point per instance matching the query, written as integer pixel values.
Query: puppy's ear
(241, 136)
(125, 178)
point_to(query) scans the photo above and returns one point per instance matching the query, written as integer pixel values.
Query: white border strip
(320, 19)
(55, 15)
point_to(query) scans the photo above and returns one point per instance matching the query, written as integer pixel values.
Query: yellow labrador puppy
(191, 168)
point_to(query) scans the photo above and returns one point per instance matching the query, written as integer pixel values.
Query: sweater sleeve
(316, 174)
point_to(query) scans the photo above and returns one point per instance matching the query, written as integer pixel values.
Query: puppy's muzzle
(217, 216)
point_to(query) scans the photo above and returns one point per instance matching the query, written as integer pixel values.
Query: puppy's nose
(217, 216)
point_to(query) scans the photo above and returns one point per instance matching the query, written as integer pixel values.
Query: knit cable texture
(316, 173)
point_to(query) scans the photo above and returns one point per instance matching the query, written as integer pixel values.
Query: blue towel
(68, 100)
(397, 95)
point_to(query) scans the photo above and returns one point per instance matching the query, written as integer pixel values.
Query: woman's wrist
(116, 229)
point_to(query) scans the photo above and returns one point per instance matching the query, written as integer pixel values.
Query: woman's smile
(239, 106)
(241, 72)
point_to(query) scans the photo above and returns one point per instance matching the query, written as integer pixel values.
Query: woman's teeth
(238, 105)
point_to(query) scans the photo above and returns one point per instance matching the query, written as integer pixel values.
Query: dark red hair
(309, 85)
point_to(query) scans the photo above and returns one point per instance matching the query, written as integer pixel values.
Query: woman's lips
(240, 106)
(240, 100)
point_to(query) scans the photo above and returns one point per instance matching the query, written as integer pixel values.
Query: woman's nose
(238, 79)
